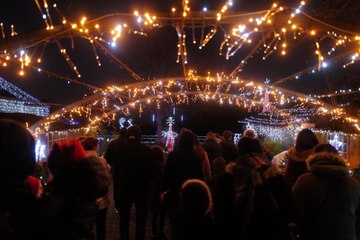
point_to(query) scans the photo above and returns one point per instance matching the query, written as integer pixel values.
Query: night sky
(155, 55)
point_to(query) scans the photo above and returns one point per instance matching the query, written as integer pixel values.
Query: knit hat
(35, 185)
(17, 150)
(305, 140)
(64, 154)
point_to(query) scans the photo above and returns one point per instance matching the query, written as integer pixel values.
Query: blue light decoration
(125, 123)
(24, 103)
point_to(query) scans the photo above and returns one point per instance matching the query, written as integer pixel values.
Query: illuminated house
(20, 101)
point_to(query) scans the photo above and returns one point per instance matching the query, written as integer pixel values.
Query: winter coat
(263, 203)
(111, 150)
(69, 202)
(20, 217)
(104, 172)
(133, 168)
(199, 150)
(212, 148)
(229, 150)
(180, 166)
(327, 199)
(296, 165)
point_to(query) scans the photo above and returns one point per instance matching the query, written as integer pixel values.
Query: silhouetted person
(182, 164)
(194, 220)
(133, 168)
(17, 202)
(327, 198)
(212, 147)
(296, 164)
(228, 148)
(113, 145)
(90, 145)
(263, 204)
(76, 182)
(157, 206)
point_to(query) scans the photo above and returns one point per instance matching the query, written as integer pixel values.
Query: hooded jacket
(327, 199)
(262, 199)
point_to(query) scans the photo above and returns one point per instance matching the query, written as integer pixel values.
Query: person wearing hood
(327, 198)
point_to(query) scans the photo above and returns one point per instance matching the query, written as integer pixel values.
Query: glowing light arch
(179, 90)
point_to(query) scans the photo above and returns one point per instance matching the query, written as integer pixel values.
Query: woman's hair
(248, 145)
(305, 140)
(186, 140)
(218, 165)
(250, 133)
(158, 152)
(90, 143)
(195, 197)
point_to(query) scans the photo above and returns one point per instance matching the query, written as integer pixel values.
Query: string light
(241, 34)
(194, 88)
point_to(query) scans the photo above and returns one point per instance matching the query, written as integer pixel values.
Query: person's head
(227, 135)
(195, 197)
(90, 143)
(158, 152)
(325, 147)
(184, 129)
(17, 151)
(218, 165)
(248, 145)
(63, 155)
(186, 141)
(305, 140)
(134, 133)
(250, 133)
(211, 135)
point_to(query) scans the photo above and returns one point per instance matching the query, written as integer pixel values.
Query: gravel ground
(112, 228)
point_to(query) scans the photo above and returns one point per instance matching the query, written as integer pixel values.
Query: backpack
(256, 211)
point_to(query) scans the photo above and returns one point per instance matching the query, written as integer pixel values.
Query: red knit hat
(63, 154)
(34, 184)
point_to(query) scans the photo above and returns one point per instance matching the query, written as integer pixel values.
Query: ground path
(112, 228)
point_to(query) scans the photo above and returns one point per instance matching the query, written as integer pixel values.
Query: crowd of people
(210, 190)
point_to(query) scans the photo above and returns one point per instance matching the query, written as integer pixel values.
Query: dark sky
(138, 52)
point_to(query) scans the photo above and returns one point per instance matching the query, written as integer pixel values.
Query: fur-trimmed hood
(327, 164)
(299, 156)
